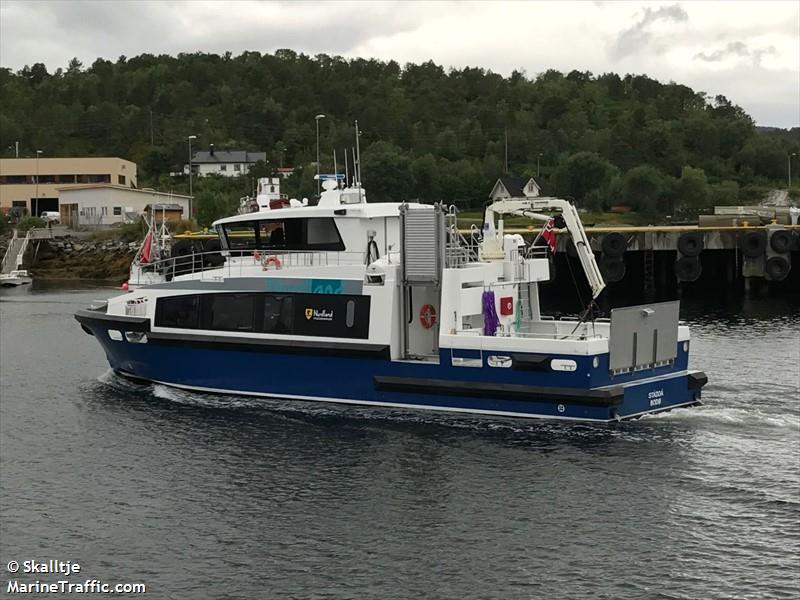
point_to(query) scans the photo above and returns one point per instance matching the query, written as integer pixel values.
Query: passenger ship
(389, 305)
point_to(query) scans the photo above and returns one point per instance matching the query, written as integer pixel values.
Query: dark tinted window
(232, 312)
(180, 311)
(278, 314)
(316, 233)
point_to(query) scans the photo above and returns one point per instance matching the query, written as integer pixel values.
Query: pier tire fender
(690, 243)
(211, 253)
(753, 244)
(181, 248)
(780, 241)
(427, 316)
(572, 251)
(614, 244)
(182, 253)
(272, 260)
(612, 269)
(777, 268)
(688, 268)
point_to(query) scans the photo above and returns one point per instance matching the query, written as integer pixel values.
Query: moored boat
(388, 305)
(15, 278)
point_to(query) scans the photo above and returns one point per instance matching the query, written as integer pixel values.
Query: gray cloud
(736, 49)
(501, 36)
(639, 36)
(109, 29)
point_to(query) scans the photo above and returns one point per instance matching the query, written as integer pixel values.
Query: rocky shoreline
(108, 260)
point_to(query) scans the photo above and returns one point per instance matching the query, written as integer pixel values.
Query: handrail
(233, 262)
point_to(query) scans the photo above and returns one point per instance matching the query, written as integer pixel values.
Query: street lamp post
(36, 200)
(190, 138)
(789, 160)
(317, 118)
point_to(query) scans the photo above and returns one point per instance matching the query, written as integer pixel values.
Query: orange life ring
(272, 260)
(427, 316)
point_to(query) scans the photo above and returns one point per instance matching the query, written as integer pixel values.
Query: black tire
(690, 243)
(777, 268)
(211, 254)
(753, 244)
(614, 245)
(780, 241)
(183, 253)
(688, 268)
(612, 269)
(572, 251)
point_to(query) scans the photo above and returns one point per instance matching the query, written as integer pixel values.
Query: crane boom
(535, 208)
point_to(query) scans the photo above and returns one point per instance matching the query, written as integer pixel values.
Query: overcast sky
(748, 51)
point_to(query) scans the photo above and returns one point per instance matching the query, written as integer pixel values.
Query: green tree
(387, 172)
(693, 189)
(642, 188)
(583, 174)
(425, 172)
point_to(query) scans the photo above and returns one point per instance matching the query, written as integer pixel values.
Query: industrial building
(35, 183)
(108, 204)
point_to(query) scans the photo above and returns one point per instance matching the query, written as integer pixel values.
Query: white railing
(15, 253)
(238, 263)
(567, 328)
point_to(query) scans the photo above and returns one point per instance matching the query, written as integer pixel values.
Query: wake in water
(733, 416)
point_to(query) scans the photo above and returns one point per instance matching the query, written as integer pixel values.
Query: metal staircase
(12, 260)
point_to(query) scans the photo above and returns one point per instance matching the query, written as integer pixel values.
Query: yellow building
(34, 184)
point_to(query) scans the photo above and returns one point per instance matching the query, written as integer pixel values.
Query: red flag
(148, 242)
(549, 235)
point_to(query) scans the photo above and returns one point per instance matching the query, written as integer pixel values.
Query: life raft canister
(427, 316)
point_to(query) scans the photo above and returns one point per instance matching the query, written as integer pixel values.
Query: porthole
(685, 346)
(595, 362)
(115, 334)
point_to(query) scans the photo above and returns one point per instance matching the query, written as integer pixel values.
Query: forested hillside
(427, 132)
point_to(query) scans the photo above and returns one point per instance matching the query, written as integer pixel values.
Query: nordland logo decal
(319, 315)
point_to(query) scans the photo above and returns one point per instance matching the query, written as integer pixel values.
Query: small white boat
(15, 278)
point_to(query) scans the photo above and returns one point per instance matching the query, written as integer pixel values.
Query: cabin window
(278, 314)
(316, 233)
(322, 232)
(240, 236)
(232, 312)
(351, 313)
(182, 312)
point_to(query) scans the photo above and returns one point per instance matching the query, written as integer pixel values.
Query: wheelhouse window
(316, 233)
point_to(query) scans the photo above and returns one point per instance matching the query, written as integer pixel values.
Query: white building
(107, 204)
(515, 187)
(228, 163)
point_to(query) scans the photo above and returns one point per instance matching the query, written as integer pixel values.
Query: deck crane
(536, 209)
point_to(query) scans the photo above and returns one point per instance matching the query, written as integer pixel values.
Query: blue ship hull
(366, 375)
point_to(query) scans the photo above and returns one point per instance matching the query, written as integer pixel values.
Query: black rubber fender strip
(696, 380)
(90, 317)
(501, 391)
